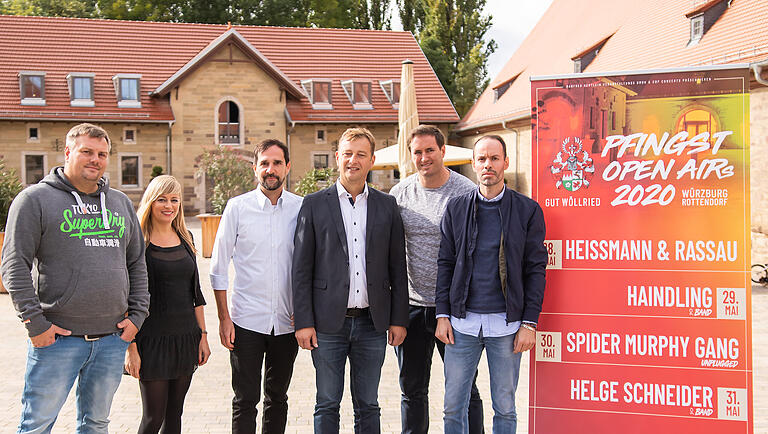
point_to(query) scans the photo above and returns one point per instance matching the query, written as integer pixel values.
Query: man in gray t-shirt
(422, 199)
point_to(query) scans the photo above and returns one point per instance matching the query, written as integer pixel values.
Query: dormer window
(391, 89)
(32, 87)
(499, 89)
(703, 17)
(697, 28)
(80, 89)
(319, 92)
(583, 59)
(577, 65)
(127, 90)
(359, 93)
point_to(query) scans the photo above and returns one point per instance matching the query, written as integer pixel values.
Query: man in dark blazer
(350, 285)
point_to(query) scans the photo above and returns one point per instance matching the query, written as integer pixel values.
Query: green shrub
(313, 180)
(156, 171)
(10, 186)
(230, 173)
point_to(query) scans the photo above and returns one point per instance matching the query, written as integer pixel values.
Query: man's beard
(264, 182)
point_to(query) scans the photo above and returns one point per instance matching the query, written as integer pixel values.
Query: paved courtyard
(208, 404)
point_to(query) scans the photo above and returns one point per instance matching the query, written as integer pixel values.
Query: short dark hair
(427, 130)
(268, 143)
(493, 137)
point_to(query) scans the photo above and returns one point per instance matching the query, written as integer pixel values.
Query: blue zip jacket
(526, 257)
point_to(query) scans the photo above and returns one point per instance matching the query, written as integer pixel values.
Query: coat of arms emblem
(572, 168)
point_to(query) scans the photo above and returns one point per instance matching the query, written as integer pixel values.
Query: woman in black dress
(173, 340)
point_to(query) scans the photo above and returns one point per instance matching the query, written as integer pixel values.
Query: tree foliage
(355, 14)
(412, 15)
(349, 14)
(452, 35)
(51, 8)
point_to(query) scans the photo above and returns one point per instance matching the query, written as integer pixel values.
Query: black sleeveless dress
(168, 341)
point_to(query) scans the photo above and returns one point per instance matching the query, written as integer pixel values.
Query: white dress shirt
(355, 218)
(258, 237)
(493, 325)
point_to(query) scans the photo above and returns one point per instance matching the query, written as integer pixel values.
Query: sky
(512, 21)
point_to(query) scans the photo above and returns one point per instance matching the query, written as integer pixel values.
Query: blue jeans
(51, 372)
(414, 358)
(461, 360)
(365, 347)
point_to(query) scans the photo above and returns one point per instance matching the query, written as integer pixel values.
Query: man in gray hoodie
(73, 263)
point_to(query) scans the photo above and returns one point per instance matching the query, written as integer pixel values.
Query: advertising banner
(646, 322)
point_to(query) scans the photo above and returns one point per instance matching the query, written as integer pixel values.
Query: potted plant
(10, 186)
(316, 179)
(231, 174)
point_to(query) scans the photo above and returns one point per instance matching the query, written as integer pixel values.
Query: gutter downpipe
(757, 68)
(288, 141)
(168, 140)
(517, 152)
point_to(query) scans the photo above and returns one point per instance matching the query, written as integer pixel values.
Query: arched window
(229, 122)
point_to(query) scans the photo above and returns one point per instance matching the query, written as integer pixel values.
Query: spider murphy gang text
(642, 145)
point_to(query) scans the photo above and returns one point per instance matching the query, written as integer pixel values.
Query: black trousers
(277, 353)
(414, 356)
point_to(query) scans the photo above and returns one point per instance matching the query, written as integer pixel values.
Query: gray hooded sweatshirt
(88, 252)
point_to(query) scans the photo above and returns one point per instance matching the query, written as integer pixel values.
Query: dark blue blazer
(320, 274)
(526, 257)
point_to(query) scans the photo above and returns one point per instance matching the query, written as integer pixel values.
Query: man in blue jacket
(490, 286)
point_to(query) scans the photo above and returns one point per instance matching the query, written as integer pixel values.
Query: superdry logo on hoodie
(90, 227)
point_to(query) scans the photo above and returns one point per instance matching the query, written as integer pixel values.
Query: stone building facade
(166, 92)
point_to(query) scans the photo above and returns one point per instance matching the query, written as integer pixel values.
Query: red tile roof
(652, 34)
(157, 51)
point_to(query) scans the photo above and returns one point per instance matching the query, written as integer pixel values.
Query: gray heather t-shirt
(422, 209)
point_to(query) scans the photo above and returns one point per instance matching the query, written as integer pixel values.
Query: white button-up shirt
(355, 218)
(258, 238)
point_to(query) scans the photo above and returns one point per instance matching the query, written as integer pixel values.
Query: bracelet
(526, 326)
(205, 332)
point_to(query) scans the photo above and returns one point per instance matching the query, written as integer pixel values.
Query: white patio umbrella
(397, 156)
(388, 158)
(407, 118)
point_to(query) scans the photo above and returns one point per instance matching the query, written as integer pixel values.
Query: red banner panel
(646, 322)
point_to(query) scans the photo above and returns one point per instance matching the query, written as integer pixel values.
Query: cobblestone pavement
(208, 404)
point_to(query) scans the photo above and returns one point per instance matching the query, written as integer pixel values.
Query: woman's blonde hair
(163, 184)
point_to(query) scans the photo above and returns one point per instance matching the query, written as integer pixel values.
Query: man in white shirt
(256, 233)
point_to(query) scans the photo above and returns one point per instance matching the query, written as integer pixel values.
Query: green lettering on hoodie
(84, 226)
